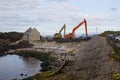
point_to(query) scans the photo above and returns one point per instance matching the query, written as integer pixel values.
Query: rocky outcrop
(92, 62)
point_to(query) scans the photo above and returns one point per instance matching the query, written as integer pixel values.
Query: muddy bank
(15, 67)
(60, 51)
(48, 61)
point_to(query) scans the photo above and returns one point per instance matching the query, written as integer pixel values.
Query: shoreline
(53, 55)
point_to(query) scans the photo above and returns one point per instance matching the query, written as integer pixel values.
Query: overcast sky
(48, 16)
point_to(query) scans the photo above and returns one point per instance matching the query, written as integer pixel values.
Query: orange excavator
(72, 35)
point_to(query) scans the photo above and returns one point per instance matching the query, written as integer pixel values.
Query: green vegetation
(40, 76)
(110, 32)
(115, 76)
(116, 56)
(3, 48)
(116, 49)
(11, 36)
(48, 62)
(7, 38)
(5, 45)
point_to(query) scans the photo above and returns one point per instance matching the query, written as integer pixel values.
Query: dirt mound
(92, 62)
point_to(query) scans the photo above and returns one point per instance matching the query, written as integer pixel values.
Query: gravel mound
(92, 62)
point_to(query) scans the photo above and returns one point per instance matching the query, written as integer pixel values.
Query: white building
(31, 34)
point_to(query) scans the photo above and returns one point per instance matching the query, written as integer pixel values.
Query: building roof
(29, 30)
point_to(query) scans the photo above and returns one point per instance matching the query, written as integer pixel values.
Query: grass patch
(40, 76)
(104, 34)
(116, 56)
(115, 76)
(117, 50)
(47, 65)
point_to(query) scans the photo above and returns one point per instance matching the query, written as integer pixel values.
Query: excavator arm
(59, 35)
(72, 35)
(86, 29)
(64, 27)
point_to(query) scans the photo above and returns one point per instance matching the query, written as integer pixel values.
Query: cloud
(93, 20)
(46, 12)
(57, 0)
(38, 13)
(90, 16)
(33, 12)
(19, 4)
(113, 9)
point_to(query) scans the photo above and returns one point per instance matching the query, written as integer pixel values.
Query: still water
(17, 67)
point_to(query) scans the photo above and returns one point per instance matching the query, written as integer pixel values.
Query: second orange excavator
(72, 35)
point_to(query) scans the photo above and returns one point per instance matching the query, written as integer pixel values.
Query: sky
(48, 16)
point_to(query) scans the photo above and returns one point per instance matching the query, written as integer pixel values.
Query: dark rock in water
(21, 74)
(25, 74)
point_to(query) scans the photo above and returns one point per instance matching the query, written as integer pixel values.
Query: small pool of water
(17, 67)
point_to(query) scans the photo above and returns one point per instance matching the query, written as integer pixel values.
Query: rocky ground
(87, 60)
(52, 46)
(61, 51)
(55, 47)
(91, 62)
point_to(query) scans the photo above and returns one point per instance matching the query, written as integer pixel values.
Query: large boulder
(92, 62)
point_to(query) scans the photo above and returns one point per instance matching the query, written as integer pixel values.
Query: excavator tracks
(71, 40)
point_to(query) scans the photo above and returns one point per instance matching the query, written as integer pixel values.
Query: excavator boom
(59, 35)
(72, 35)
(86, 29)
(64, 27)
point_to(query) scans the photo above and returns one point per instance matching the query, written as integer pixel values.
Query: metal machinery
(72, 35)
(59, 35)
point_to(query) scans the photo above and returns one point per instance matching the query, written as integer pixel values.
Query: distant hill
(110, 32)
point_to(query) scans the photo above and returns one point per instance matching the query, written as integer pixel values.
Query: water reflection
(14, 66)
